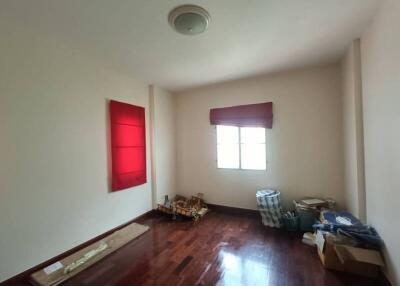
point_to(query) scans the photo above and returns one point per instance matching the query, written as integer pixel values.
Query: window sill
(237, 169)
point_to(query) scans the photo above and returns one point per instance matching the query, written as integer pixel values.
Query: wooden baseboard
(24, 276)
(233, 210)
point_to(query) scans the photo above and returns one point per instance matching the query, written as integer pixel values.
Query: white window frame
(240, 152)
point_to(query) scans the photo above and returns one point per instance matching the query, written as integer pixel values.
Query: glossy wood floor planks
(220, 249)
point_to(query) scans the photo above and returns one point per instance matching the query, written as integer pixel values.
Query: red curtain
(251, 115)
(128, 145)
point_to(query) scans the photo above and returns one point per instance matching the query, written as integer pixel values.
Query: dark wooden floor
(221, 249)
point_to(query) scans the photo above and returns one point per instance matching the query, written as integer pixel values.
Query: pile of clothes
(349, 228)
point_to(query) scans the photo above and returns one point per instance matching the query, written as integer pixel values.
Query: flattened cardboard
(114, 241)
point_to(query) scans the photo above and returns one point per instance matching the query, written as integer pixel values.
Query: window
(241, 148)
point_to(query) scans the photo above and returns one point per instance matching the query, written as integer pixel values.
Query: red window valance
(128, 145)
(251, 115)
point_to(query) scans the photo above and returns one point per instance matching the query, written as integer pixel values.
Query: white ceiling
(245, 37)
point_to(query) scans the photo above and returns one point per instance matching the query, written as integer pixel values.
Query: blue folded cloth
(345, 223)
(340, 218)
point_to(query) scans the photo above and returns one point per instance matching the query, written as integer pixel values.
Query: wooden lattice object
(165, 209)
(193, 207)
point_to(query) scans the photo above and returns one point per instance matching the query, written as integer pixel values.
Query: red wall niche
(128, 145)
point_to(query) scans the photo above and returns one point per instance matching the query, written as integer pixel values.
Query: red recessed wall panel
(128, 145)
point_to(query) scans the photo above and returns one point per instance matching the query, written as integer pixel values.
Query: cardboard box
(366, 262)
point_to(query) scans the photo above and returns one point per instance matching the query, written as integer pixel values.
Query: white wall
(53, 149)
(163, 143)
(353, 143)
(380, 46)
(304, 145)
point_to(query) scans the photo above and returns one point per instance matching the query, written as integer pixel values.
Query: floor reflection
(238, 270)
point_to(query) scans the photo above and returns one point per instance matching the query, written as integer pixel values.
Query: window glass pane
(228, 156)
(253, 156)
(252, 135)
(227, 134)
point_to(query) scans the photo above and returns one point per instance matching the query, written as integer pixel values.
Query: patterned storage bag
(269, 205)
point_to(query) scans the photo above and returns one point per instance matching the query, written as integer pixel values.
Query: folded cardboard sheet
(71, 265)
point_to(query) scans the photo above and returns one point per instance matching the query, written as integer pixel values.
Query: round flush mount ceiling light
(189, 19)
